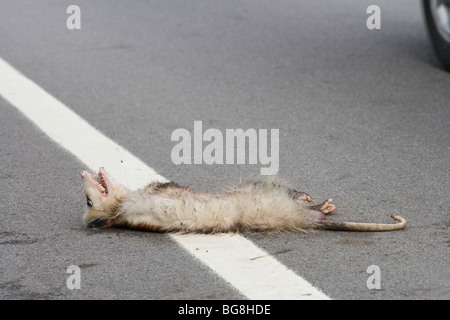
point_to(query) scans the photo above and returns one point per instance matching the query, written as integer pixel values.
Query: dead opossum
(259, 205)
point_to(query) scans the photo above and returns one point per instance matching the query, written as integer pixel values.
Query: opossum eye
(89, 202)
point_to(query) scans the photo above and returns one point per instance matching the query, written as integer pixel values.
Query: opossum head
(103, 196)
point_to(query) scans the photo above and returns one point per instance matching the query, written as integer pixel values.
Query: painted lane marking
(231, 256)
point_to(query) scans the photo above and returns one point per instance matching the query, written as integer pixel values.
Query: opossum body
(259, 205)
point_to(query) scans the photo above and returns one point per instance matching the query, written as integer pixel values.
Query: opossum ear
(101, 223)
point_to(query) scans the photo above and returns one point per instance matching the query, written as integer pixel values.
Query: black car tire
(439, 38)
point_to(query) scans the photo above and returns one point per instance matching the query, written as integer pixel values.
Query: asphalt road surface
(363, 118)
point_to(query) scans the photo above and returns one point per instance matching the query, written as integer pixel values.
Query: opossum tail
(358, 226)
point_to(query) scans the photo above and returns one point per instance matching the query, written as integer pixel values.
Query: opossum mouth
(101, 183)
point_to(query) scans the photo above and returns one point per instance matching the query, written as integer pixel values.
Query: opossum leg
(325, 207)
(317, 215)
(301, 196)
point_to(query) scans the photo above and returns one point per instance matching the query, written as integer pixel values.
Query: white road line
(229, 255)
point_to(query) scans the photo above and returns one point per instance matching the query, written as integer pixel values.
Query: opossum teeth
(102, 183)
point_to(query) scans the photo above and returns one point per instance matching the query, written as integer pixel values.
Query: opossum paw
(302, 197)
(325, 207)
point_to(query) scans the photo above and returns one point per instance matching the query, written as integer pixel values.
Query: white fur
(252, 205)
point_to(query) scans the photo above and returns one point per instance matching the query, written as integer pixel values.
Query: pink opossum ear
(101, 223)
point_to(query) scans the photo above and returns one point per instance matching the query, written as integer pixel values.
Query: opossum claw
(325, 207)
(302, 197)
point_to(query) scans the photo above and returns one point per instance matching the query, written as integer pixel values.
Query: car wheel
(437, 16)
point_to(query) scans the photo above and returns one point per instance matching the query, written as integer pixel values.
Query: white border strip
(229, 255)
